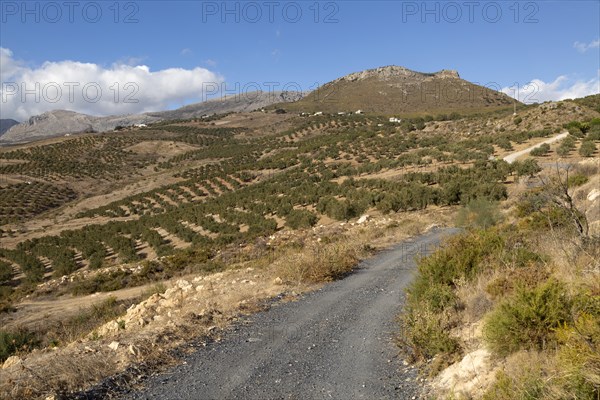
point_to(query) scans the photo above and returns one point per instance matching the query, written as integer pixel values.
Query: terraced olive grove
(219, 183)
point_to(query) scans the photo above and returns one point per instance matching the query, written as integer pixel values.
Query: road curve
(511, 158)
(334, 343)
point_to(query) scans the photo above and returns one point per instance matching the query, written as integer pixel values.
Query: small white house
(359, 112)
(140, 125)
(395, 120)
(318, 113)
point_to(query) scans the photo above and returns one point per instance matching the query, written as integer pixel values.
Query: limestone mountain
(61, 122)
(393, 89)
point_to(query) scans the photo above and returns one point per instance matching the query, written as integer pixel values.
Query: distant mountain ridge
(390, 90)
(6, 124)
(60, 122)
(393, 90)
(243, 102)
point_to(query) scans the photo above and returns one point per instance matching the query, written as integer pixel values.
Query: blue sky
(552, 43)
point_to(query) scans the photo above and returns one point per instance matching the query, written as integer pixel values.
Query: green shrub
(6, 271)
(577, 180)
(432, 303)
(587, 148)
(526, 168)
(540, 151)
(6, 299)
(526, 384)
(460, 258)
(578, 358)
(479, 213)
(297, 219)
(576, 129)
(14, 341)
(426, 333)
(528, 319)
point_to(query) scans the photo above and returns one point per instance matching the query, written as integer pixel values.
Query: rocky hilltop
(394, 89)
(392, 72)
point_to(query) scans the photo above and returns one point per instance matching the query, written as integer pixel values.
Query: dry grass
(506, 305)
(321, 263)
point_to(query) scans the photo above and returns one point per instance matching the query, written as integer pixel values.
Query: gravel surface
(334, 343)
(511, 158)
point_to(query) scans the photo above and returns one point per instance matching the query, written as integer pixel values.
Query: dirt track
(335, 343)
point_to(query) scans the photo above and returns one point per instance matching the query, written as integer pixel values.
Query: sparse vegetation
(541, 150)
(221, 193)
(587, 148)
(535, 278)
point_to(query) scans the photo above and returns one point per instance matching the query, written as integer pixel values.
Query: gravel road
(334, 343)
(511, 158)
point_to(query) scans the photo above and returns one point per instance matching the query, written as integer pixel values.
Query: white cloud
(583, 47)
(73, 85)
(185, 52)
(563, 87)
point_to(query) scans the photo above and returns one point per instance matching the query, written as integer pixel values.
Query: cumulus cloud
(584, 47)
(563, 87)
(94, 89)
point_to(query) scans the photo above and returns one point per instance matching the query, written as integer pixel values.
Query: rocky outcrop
(393, 71)
(162, 308)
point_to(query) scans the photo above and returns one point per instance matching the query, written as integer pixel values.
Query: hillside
(244, 102)
(61, 122)
(117, 247)
(397, 90)
(592, 102)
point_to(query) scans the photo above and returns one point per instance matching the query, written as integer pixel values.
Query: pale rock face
(471, 375)
(10, 361)
(593, 195)
(363, 219)
(184, 285)
(395, 71)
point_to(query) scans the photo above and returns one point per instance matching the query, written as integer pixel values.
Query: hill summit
(393, 89)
